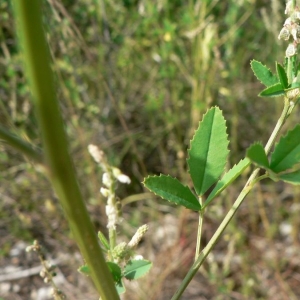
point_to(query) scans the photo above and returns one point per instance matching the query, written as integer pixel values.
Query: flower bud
(291, 50)
(138, 236)
(295, 32)
(96, 153)
(293, 94)
(288, 22)
(104, 192)
(284, 34)
(106, 180)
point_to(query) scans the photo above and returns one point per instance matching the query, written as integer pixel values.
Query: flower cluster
(124, 251)
(48, 270)
(291, 29)
(110, 175)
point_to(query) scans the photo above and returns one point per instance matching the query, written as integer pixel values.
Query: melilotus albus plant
(207, 157)
(208, 152)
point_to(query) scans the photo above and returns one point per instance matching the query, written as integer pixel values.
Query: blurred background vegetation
(134, 77)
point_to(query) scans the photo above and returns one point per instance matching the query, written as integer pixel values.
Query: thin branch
(21, 145)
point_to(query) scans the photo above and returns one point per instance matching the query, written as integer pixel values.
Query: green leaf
(293, 177)
(84, 270)
(208, 151)
(294, 85)
(115, 270)
(287, 152)
(282, 75)
(257, 154)
(103, 240)
(136, 269)
(171, 189)
(227, 179)
(263, 74)
(120, 287)
(273, 91)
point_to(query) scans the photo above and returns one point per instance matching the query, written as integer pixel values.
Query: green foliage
(285, 157)
(172, 190)
(144, 54)
(136, 269)
(207, 158)
(263, 74)
(84, 270)
(275, 90)
(208, 151)
(257, 154)
(104, 242)
(283, 79)
(120, 287)
(227, 179)
(287, 152)
(276, 85)
(115, 271)
(293, 177)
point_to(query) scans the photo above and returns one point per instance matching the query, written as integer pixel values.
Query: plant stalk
(21, 145)
(199, 232)
(58, 161)
(247, 188)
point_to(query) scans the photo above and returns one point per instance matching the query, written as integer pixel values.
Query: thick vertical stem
(58, 161)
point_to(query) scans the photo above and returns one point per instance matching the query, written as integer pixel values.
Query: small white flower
(116, 172)
(124, 179)
(284, 34)
(295, 32)
(104, 192)
(288, 22)
(288, 8)
(106, 180)
(112, 216)
(138, 257)
(110, 210)
(291, 50)
(96, 153)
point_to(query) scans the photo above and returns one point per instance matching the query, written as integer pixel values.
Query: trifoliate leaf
(287, 151)
(208, 151)
(171, 189)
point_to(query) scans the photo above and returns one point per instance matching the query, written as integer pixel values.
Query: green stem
(199, 232)
(112, 231)
(62, 174)
(21, 145)
(248, 186)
